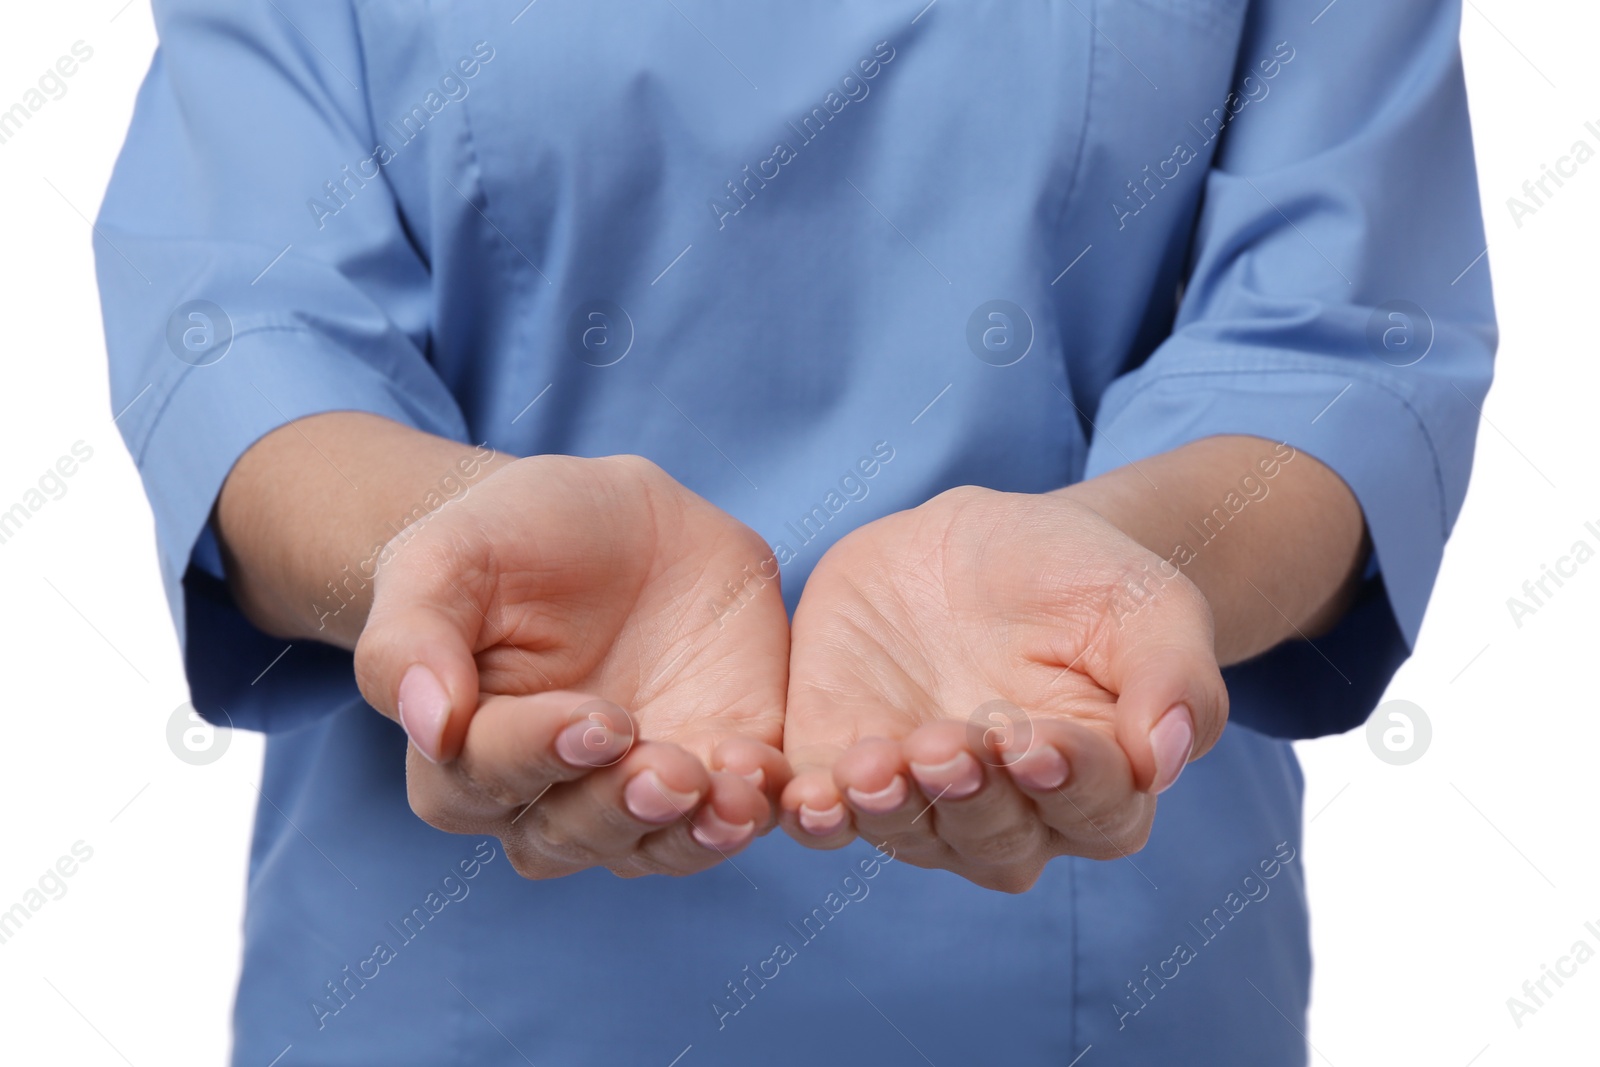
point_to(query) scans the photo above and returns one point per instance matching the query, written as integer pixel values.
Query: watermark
(193, 739)
(343, 188)
(610, 728)
(1566, 967)
(51, 885)
(1000, 333)
(1536, 192)
(1253, 889)
(199, 333)
(852, 488)
(997, 726)
(1400, 332)
(1537, 592)
(51, 485)
(745, 591)
(453, 888)
(1399, 732)
(1252, 89)
(1142, 587)
(853, 888)
(853, 88)
(600, 333)
(345, 588)
(51, 85)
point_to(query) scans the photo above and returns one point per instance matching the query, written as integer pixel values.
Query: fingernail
(884, 800)
(588, 744)
(424, 709)
(1040, 768)
(1171, 742)
(648, 799)
(959, 776)
(713, 831)
(822, 823)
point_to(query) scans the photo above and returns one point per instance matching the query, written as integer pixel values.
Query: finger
(976, 809)
(811, 808)
(518, 747)
(718, 829)
(820, 726)
(414, 659)
(763, 766)
(1171, 700)
(600, 818)
(1082, 785)
(884, 803)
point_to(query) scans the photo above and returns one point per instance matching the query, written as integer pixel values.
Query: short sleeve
(1338, 299)
(231, 309)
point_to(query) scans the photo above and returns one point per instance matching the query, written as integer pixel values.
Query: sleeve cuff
(203, 418)
(1359, 426)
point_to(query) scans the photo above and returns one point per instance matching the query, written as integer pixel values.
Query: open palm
(967, 686)
(553, 646)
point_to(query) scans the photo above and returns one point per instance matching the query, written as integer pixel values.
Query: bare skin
(984, 682)
(975, 682)
(545, 639)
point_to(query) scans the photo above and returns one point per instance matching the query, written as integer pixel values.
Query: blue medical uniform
(1013, 244)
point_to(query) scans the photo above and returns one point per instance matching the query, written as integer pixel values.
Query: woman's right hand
(559, 647)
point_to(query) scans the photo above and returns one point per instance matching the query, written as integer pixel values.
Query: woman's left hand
(992, 680)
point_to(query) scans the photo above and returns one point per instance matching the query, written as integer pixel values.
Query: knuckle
(370, 659)
(629, 871)
(917, 849)
(1013, 879)
(1004, 846)
(549, 846)
(442, 812)
(488, 784)
(1209, 727)
(1102, 828)
(523, 867)
(532, 865)
(647, 861)
(493, 792)
(556, 840)
(616, 823)
(1116, 844)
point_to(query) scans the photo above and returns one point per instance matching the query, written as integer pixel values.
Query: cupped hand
(991, 680)
(558, 647)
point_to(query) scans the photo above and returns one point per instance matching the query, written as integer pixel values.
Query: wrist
(311, 511)
(1272, 538)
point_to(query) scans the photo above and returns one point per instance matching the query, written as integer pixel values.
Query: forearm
(305, 515)
(1272, 537)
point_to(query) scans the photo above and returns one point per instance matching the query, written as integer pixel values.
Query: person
(918, 428)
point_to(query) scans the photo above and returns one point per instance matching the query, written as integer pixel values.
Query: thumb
(1171, 700)
(414, 660)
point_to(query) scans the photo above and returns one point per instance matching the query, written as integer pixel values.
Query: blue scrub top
(1006, 244)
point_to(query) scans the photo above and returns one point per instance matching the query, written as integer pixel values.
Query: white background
(1438, 888)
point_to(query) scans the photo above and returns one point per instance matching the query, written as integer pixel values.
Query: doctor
(922, 429)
